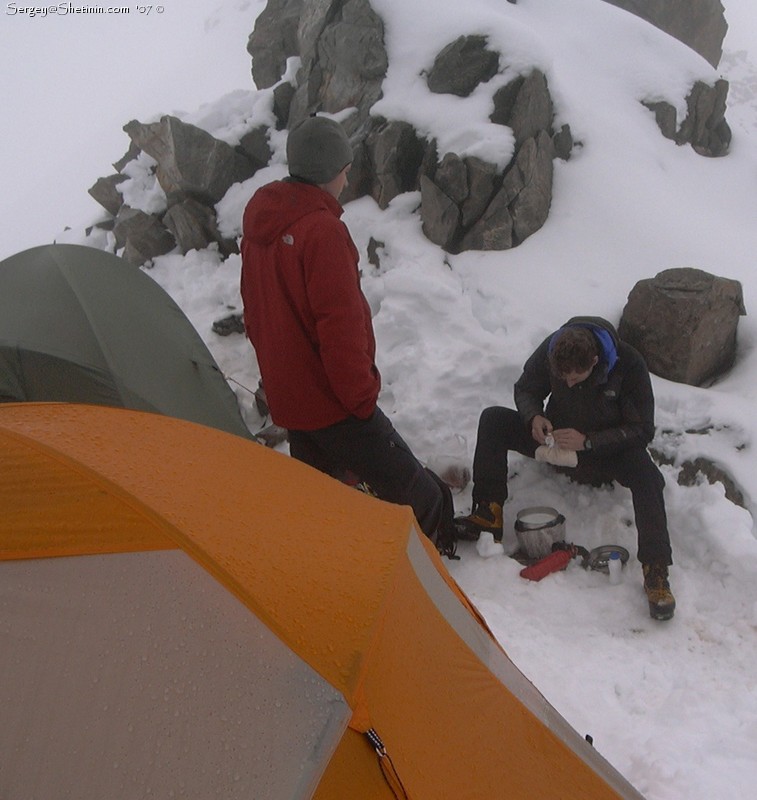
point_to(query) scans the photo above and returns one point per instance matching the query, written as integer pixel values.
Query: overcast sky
(70, 82)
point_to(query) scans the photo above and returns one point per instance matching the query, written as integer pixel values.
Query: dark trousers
(501, 430)
(376, 454)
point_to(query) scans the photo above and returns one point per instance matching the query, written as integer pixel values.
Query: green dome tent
(81, 325)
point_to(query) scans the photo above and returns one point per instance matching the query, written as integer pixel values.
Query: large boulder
(395, 155)
(142, 236)
(274, 40)
(343, 60)
(525, 106)
(705, 127)
(190, 162)
(700, 24)
(462, 65)
(683, 321)
(194, 227)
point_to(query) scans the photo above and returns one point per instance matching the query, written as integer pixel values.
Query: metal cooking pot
(537, 528)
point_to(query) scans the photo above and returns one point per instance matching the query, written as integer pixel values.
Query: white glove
(554, 455)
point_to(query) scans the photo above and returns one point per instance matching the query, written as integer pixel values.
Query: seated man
(597, 423)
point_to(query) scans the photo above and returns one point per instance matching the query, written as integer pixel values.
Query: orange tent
(184, 613)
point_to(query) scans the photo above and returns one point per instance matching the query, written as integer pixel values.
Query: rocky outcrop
(343, 63)
(700, 24)
(194, 170)
(684, 323)
(705, 127)
(465, 202)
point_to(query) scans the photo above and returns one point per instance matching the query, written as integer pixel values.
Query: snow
(672, 705)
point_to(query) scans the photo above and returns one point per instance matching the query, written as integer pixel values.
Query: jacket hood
(605, 334)
(276, 206)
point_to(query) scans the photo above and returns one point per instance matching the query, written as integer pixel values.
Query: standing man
(310, 325)
(596, 426)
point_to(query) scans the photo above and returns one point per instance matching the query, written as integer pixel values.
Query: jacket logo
(287, 238)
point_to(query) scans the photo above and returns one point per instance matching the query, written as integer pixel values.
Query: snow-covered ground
(672, 705)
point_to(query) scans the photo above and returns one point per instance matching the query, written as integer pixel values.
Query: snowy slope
(674, 705)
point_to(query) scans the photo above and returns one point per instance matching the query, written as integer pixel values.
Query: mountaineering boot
(662, 604)
(484, 516)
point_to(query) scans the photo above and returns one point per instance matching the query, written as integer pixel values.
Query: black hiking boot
(484, 517)
(662, 604)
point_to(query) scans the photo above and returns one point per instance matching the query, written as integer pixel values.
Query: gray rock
(129, 155)
(458, 209)
(255, 148)
(226, 326)
(481, 180)
(461, 66)
(274, 40)
(666, 118)
(373, 250)
(684, 322)
(395, 153)
(452, 178)
(439, 214)
(194, 227)
(191, 162)
(361, 177)
(283, 95)
(562, 141)
(104, 191)
(528, 186)
(705, 127)
(714, 473)
(344, 60)
(700, 24)
(494, 229)
(462, 209)
(525, 105)
(692, 472)
(142, 236)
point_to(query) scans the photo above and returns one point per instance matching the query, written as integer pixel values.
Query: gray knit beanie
(318, 150)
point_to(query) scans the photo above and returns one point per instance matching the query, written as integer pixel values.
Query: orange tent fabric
(349, 598)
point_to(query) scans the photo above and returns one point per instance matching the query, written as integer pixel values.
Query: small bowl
(599, 556)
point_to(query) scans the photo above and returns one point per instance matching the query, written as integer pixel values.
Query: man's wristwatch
(587, 443)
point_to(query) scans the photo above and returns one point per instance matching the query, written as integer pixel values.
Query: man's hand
(569, 439)
(540, 427)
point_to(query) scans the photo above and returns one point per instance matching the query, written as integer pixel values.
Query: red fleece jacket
(304, 310)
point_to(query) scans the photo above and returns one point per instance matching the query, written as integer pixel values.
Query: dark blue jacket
(614, 406)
